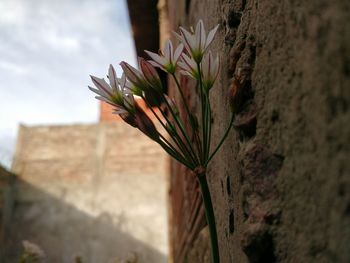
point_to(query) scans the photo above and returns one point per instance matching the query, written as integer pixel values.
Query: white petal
(189, 39)
(158, 59)
(183, 65)
(186, 73)
(131, 73)
(101, 84)
(99, 92)
(106, 100)
(156, 64)
(122, 81)
(189, 61)
(181, 39)
(178, 52)
(129, 100)
(200, 35)
(168, 51)
(217, 67)
(112, 77)
(211, 36)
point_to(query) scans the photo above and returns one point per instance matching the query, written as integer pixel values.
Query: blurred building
(96, 191)
(92, 191)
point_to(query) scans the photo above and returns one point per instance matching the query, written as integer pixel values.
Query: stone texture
(279, 184)
(95, 191)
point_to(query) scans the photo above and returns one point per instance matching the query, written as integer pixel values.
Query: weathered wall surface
(97, 191)
(281, 183)
(7, 182)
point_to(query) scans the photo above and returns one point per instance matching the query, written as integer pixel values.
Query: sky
(48, 49)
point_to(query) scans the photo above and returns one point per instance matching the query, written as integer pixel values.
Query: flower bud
(134, 76)
(150, 74)
(145, 124)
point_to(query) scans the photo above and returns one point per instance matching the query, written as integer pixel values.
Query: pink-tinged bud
(134, 76)
(145, 124)
(188, 66)
(210, 70)
(141, 121)
(150, 74)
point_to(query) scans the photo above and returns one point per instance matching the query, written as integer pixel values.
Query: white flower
(167, 59)
(188, 66)
(116, 94)
(210, 70)
(196, 43)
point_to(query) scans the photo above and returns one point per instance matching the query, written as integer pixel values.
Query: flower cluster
(191, 146)
(190, 58)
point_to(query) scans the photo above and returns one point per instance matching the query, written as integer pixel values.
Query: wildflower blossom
(115, 94)
(188, 66)
(197, 42)
(210, 70)
(167, 59)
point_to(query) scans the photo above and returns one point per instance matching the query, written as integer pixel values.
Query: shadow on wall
(64, 232)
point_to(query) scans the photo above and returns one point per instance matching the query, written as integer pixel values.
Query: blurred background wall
(97, 191)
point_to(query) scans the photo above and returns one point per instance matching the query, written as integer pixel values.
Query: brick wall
(97, 191)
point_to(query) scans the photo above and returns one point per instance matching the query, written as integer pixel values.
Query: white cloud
(48, 49)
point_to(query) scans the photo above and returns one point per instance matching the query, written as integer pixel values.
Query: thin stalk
(209, 213)
(222, 139)
(180, 125)
(171, 153)
(207, 124)
(172, 148)
(179, 144)
(182, 145)
(183, 98)
(195, 134)
(203, 113)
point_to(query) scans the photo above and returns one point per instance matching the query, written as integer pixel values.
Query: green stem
(194, 131)
(209, 213)
(183, 98)
(207, 123)
(203, 112)
(176, 157)
(222, 140)
(182, 128)
(177, 138)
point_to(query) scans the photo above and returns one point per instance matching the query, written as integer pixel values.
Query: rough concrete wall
(280, 184)
(97, 191)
